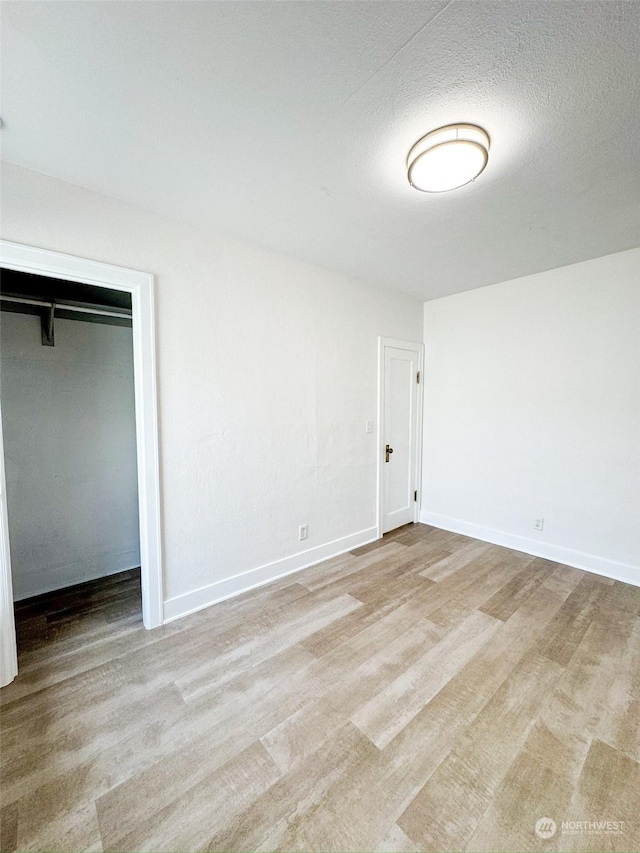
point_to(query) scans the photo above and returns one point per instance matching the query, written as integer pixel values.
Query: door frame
(418, 348)
(140, 285)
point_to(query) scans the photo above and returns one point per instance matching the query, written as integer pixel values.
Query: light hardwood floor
(428, 692)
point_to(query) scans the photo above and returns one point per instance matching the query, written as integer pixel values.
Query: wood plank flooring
(425, 692)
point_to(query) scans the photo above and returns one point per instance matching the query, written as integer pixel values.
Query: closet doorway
(60, 520)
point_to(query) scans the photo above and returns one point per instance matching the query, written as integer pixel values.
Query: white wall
(70, 452)
(267, 373)
(532, 408)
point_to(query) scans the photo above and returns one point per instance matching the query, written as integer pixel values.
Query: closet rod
(65, 307)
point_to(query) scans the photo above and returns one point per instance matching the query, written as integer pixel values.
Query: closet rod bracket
(47, 326)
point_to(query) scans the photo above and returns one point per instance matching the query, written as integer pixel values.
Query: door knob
(387, 451)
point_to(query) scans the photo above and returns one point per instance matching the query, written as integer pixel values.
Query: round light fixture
(448, 158)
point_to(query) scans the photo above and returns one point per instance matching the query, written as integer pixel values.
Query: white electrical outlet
(538, 523)
(368, 426)
(302, 532)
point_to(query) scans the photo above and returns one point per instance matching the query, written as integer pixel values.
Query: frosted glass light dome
(448, 158)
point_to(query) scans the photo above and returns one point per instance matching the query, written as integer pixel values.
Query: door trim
(412, 346)
(141, 287)
(8, 652)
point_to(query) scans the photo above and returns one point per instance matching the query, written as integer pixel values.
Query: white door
(399, 436)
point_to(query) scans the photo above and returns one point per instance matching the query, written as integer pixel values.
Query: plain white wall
(532, 408)
(267, 372)
(70, 452)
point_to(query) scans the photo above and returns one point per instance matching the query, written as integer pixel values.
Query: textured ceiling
(288, 124)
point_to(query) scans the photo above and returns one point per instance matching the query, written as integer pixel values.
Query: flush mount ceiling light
(448, 158)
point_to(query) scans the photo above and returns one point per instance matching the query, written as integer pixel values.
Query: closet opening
(68, 408)
(80, 540)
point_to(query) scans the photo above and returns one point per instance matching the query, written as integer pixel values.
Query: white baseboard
(577, 559)
(198, 599)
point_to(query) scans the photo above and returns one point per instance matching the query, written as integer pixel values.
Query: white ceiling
(287, 124)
